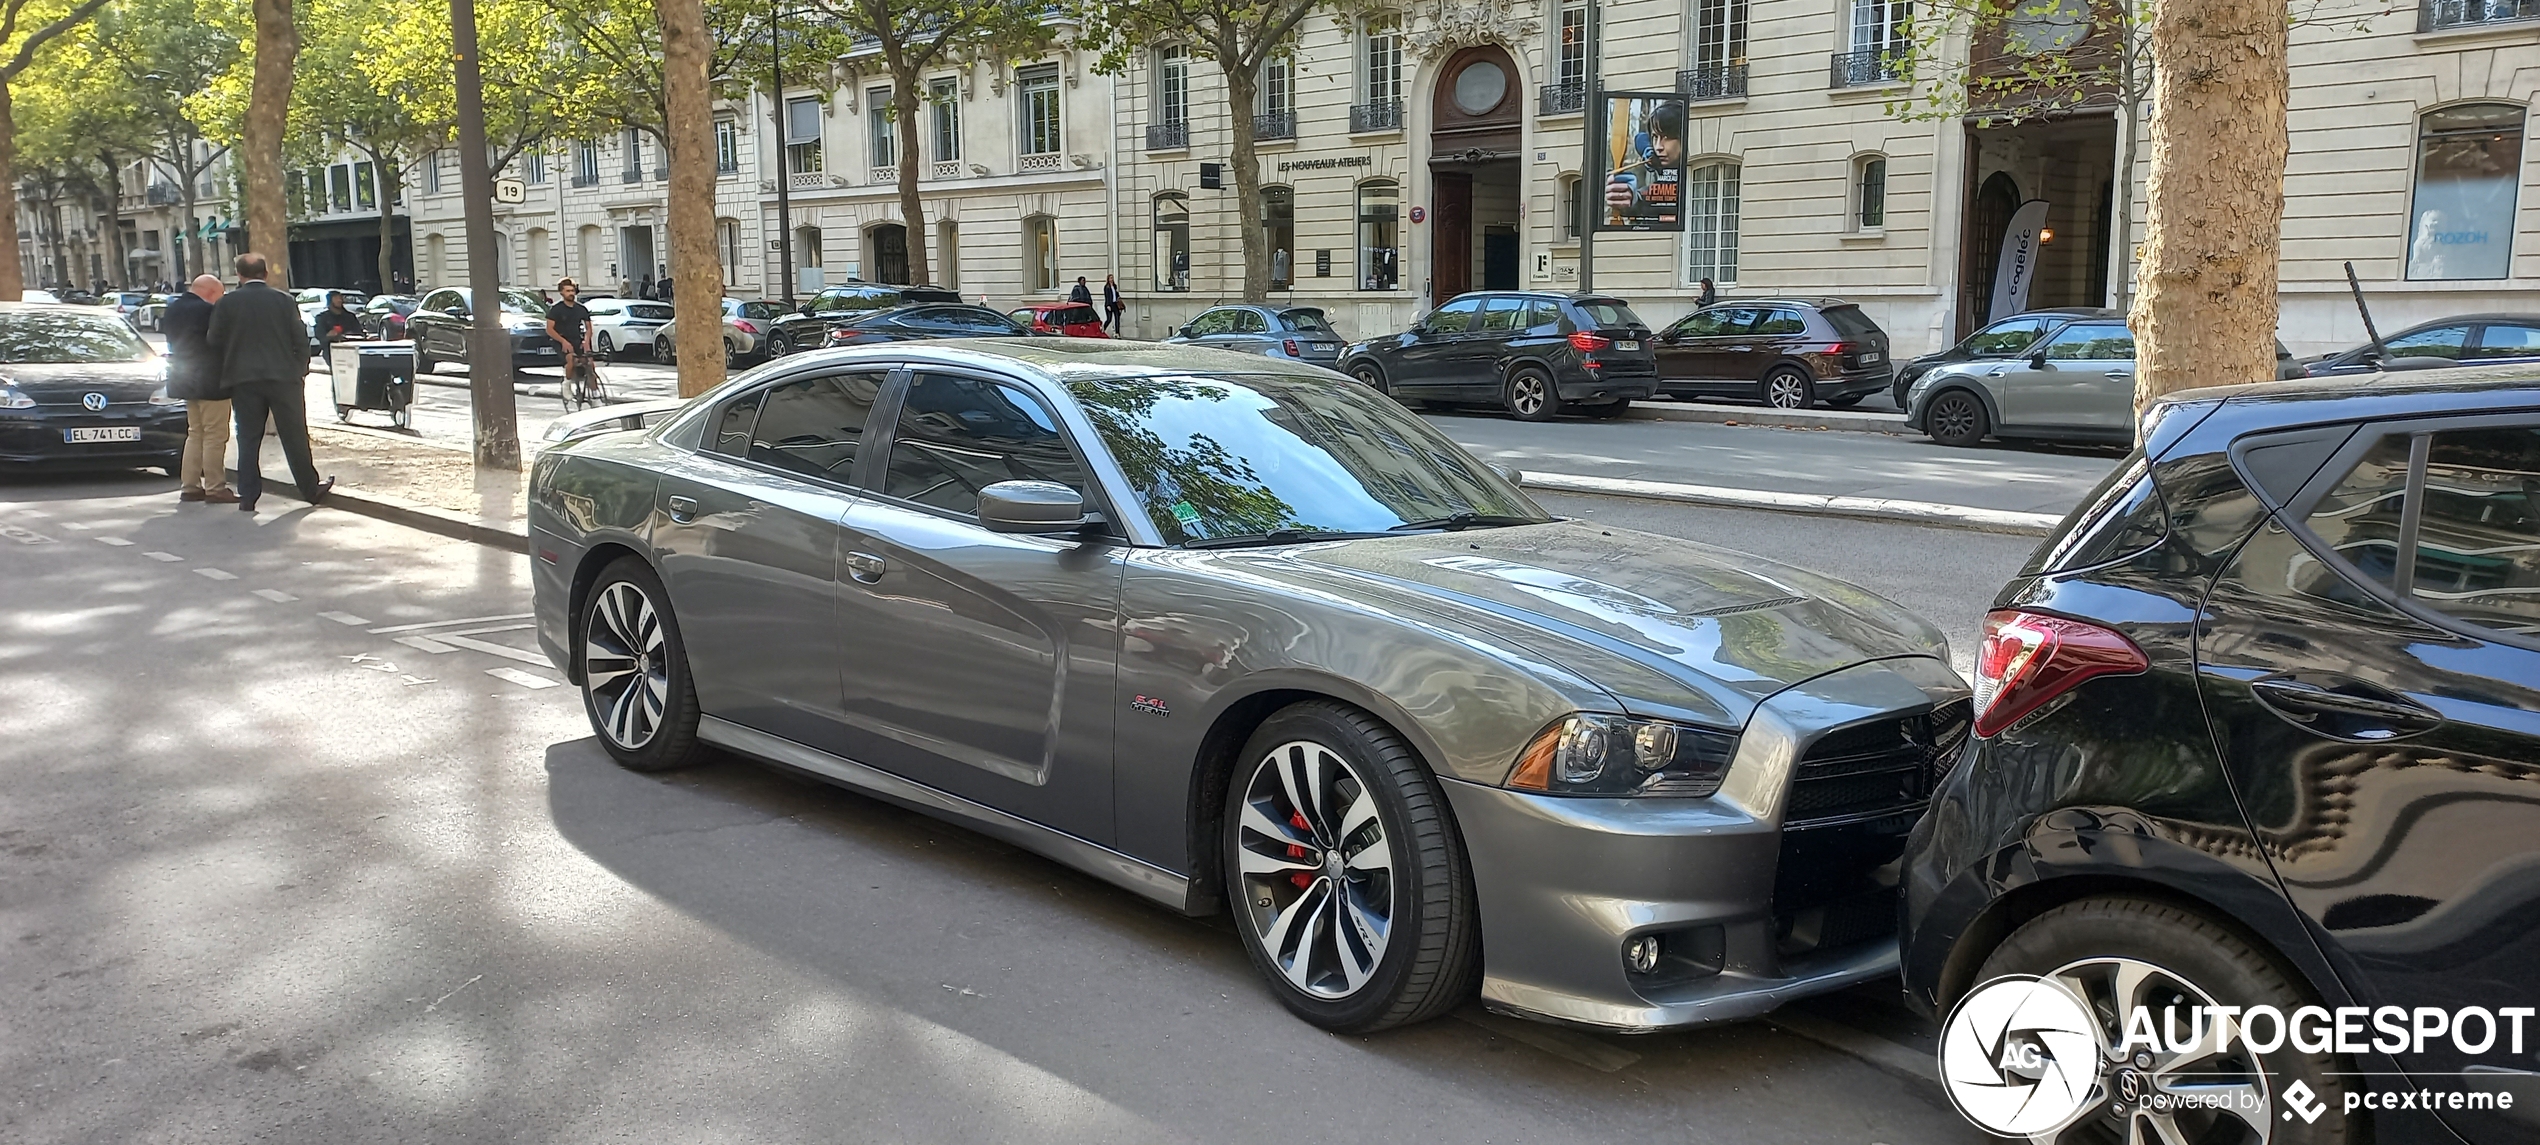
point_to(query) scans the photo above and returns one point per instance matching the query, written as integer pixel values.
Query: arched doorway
(1995, 203)
(1475, 137)
(888, 253)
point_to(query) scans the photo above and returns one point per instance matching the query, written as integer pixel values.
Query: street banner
(1643, 157)
(2016, 270)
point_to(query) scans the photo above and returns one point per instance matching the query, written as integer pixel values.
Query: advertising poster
(1643, 161)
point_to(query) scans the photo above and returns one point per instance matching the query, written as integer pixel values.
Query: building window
(1569, 71)
(432, 173)
(2468, 159)
(1172, 242)
(1173, 84)
(634, 172)
(1040, 252)
(1278, 217)
(727, 147)
(537, 167)
(882, 127)
(1278, 85)
(802, 137)
(1379, 234)
(1711, 193)
(1573, 208)
(1876, 45)
(1719, 51)
(340, 180)
(948, 254)
(2434, 14)
(946, 98)
(586, 164)
(727, 234)
(365, 186)
(1042, 134)
(1869, 193)
(1380, 77)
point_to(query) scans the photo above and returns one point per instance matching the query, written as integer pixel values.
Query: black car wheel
(1956, 418)
(1531, 395)
(605, 347)
(424, 363)
(731, 353)
(635, 684)
(1788, 387)
(777, 345)
(664, 354)
(2124, 955)
(1347, 878)
(1370, 376)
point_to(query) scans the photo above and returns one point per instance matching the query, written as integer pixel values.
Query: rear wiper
(1457, 522)
(1276, 537)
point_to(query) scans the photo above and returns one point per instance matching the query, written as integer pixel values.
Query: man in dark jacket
(336, 323)
(264, 360)
(194, 375)
(1081, 293)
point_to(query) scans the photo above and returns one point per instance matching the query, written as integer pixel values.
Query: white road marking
(450, 623)
(24, 536)
(82, 525)
(488, 628)
(379, 666)
(168, 557)
(524, 679)
(118, 542)
(344, 618)
(209, 573)
(425, 644)
(492, 649)
(410, 680)
(276, 595)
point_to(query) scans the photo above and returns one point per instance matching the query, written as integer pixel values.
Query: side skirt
(1148, 880)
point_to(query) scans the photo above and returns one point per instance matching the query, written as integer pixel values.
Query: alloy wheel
(2206, 1094)
(1315, 869)
(625, 666)
(1786, 390)
(1955, 418)
(1526, 395)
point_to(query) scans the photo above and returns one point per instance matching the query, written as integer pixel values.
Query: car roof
(1813, 303)
(2466, 319)
(1074, 359)
(2397, 393)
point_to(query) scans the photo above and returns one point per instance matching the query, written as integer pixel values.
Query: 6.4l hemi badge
(1151, 706)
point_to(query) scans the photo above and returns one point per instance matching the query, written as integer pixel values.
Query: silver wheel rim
(2114, 989)
(1369, 379)
(1954, 417)
(1786, 391)
(1315, 869)
(625, 666)
(1526, 395)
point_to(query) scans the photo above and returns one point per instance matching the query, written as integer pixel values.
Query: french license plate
(96, 433)
(1628, 344)
(1326, 347)
(1872, 356)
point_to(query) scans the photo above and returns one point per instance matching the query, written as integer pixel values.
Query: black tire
(672, 741)
(1432, 936)
(1847, 401)
(1956, 418)
(731, 353)
(2196, 955)
(1610, 410)
(424, 364)
(664, 353)
(1787, 387)
(343, 412)
(1372, 376)
(1531, 395)
(605, 347)
(777, 345)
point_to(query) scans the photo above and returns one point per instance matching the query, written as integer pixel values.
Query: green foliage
(2009, 61)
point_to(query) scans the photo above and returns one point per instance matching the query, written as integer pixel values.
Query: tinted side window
(1543, 316)
(2478, 531)
(2360, 519)
(958, 435)
(1703, 324)
(1453, 318)
(2440, 342)
(1781, 322)
(1213, 322)
(2078, 343)
(2508, 342)
(812, 426)
(2005, 338)
(1246, 322)
(732, 429)
(1500, 315)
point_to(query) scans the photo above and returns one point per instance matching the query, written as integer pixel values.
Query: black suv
(1533, 353)
(2259, 726)
(1789, 353)
(808, 328)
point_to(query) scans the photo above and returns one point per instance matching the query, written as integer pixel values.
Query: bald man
(194, 375)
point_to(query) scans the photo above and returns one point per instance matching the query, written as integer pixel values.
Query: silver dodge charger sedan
(1238, 634)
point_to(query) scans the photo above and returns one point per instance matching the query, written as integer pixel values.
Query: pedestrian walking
(194, 376)
(1710, 294)
(1082, 293)
(264, 363)
(1112, 306)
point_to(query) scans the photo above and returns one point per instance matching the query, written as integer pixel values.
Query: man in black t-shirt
(336, 323)
(569, 323)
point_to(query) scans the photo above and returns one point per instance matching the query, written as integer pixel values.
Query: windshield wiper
(1276, 537)
(1457, 522)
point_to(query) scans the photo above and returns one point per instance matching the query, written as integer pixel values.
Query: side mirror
(1508, 473)
(1031, 507)
(2037, 361)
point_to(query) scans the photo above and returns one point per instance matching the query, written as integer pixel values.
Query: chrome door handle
(1999, 373)
(2120, 373)
(865, 568)
(2358, 712)
(683, 509)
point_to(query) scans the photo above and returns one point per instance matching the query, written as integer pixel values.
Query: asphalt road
(298, 848)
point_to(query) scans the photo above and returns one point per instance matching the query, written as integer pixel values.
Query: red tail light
(1841, 348)
(745, 325)
(2028, 659)
(1289, 345)
(1587, 343)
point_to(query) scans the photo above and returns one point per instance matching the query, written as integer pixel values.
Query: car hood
(64, 383)
(1670, 628)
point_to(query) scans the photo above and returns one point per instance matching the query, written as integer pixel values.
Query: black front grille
(1857, 793)
(1875, 769)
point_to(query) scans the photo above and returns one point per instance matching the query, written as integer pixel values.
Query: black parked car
(1787, 353)
(440, 325)
(2470, 339)
(2260, 726)
(78, 387)
(384, 316)
(1535, 354)
(914, 323)
(808, 328)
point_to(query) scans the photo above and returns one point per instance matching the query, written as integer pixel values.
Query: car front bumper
(38, 440)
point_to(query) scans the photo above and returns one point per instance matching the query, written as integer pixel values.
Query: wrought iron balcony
(631, 175)
(1713, 81)
(1865, 69)
(1168, 136)
(1376, 115)
(1274, 125)
(1564, 98)
(586, 179)
(2433, 15)
(163, 194)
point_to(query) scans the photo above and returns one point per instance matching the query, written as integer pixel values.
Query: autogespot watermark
(2023, 1056)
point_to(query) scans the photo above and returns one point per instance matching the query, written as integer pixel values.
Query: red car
(1072, 319)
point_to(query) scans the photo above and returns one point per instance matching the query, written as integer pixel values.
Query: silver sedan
(1238, 635)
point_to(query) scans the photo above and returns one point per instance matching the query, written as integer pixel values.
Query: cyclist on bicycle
(569, 323)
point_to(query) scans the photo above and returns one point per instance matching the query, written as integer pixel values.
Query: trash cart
(373, 376)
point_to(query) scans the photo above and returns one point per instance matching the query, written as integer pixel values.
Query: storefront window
(2468, 160)
(1040, 242)
(1278, 217)
(1711, 202)
(1379, 234)
(1172, 242)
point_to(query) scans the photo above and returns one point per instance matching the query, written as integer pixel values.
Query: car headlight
(12, 397)
(1592, 754)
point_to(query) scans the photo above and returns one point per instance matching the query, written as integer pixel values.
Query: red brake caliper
(1302, 879)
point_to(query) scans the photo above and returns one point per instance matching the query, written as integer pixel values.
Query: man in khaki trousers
(194, 375)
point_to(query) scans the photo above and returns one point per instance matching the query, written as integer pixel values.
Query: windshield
(1610, 313)
(1241, 456)
(29, 337)
(524, 302)
(1306, 321)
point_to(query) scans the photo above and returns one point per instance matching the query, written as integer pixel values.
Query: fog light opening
(1641, 953)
